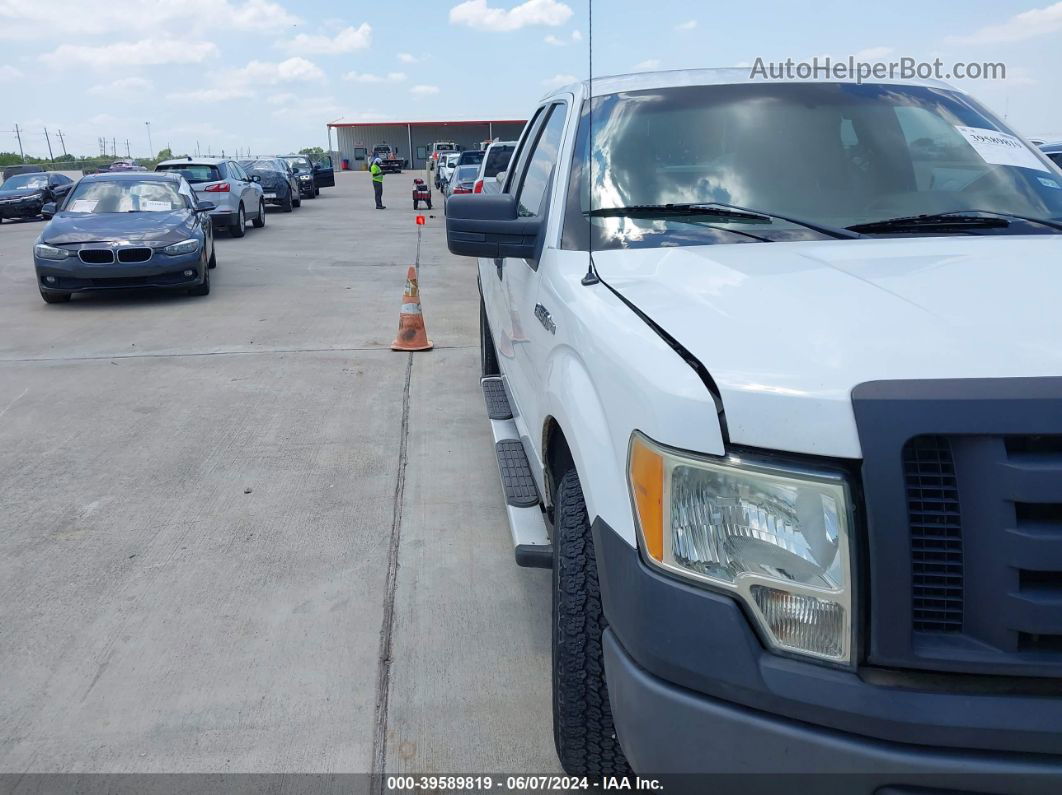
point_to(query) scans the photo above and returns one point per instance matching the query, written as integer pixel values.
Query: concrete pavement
(203, 498)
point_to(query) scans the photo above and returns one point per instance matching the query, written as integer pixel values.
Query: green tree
(312, 150)
(165, 154)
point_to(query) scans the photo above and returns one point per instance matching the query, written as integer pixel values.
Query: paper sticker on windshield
(155, 206)
(1049, 183)
(83, 205)
(1000, 149)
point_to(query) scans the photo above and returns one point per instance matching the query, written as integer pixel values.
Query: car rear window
(194, 172)
(497, 160)
(465, 173)
(473, 158)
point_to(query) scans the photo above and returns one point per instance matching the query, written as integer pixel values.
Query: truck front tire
(582, 717)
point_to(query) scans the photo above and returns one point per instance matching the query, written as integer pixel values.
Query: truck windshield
(836, 154)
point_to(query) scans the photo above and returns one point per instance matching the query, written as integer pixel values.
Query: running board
(527, 524)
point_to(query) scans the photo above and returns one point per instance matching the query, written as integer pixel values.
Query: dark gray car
(132, 229)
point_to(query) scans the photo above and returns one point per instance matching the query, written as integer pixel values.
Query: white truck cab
(774, 370)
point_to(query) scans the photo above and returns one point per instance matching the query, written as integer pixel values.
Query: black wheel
(239, 228)
(429, 204)
(316, 192)
(488, 356)
(259, 220)
(213, 262)
(287, 204)
(204, 288)
(296, 198)
(311, 195)
(582, 718)
(55, 298)
(416, 204)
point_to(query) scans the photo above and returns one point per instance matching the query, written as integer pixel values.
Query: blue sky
(266, 75)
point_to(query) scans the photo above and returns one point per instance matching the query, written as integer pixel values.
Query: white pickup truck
(773, 370)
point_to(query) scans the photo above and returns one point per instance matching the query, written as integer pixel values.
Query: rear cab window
(497, 160)
(194, 172)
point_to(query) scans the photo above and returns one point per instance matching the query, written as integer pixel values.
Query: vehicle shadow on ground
(133, 298)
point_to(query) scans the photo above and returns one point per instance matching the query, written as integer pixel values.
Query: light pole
(151, 148)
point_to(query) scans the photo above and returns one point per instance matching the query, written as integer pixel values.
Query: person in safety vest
(377, 182)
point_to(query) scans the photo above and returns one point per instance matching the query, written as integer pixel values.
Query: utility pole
(61, 141)
(128, 153)
(18, 134)
(49, 140)
(151, 148)
(114, 147)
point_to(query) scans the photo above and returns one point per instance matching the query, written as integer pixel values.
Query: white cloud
(559, 80)
(1026, 25)
(366, 77)
(576, 36)
(146, 52)
(9, 73)
(689, 24)
(124, 88)
(477, 14)
(423, 90)
(649, 65)
(872, 53)
(349, 39)
(293, 70)
(25, 20)
(241, 83)
(407, 57)
(211, 94)
(323, 108)
(280, 99)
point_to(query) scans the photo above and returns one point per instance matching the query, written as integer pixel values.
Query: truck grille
(936, 535)
(962, 481)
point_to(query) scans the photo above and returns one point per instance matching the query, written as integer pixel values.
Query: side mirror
(48, 210)
(487, 225)
(62, 190)
(255, 178)
(205, 207)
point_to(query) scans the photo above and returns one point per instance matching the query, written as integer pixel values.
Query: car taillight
(478, 187)
(218, 187)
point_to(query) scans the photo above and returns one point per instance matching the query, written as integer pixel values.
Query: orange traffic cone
(412, 336)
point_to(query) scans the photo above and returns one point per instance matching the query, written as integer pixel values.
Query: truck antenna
(591, 278)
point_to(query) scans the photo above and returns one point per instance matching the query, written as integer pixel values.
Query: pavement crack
(383, 680)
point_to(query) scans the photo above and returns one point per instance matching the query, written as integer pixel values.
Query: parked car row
(473, 171)
(126, 228)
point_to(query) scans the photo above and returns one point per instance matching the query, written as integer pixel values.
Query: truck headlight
(189, 246)
(777, 538)
(44, 251)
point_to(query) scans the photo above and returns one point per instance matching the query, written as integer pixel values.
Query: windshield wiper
(959, 221)
(724, 212)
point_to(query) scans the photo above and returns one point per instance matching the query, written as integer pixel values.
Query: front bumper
(23, 208)
(694, 690)
(74, 276)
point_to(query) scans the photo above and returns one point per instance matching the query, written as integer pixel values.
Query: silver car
(236, 196)
(495, 164)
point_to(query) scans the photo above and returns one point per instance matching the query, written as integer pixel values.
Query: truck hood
(788, 329)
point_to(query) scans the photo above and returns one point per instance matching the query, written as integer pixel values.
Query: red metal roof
(422, 123)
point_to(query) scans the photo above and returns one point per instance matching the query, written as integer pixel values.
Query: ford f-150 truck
(774, 370)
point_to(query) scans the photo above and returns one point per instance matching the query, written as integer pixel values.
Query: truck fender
(574, 407)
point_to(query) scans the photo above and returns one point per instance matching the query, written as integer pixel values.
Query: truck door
(523, 339)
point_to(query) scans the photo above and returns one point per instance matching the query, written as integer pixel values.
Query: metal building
(355, 140)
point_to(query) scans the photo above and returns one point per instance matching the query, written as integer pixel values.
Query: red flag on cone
(412, 336)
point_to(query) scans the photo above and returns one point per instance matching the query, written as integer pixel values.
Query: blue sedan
(122, 230)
